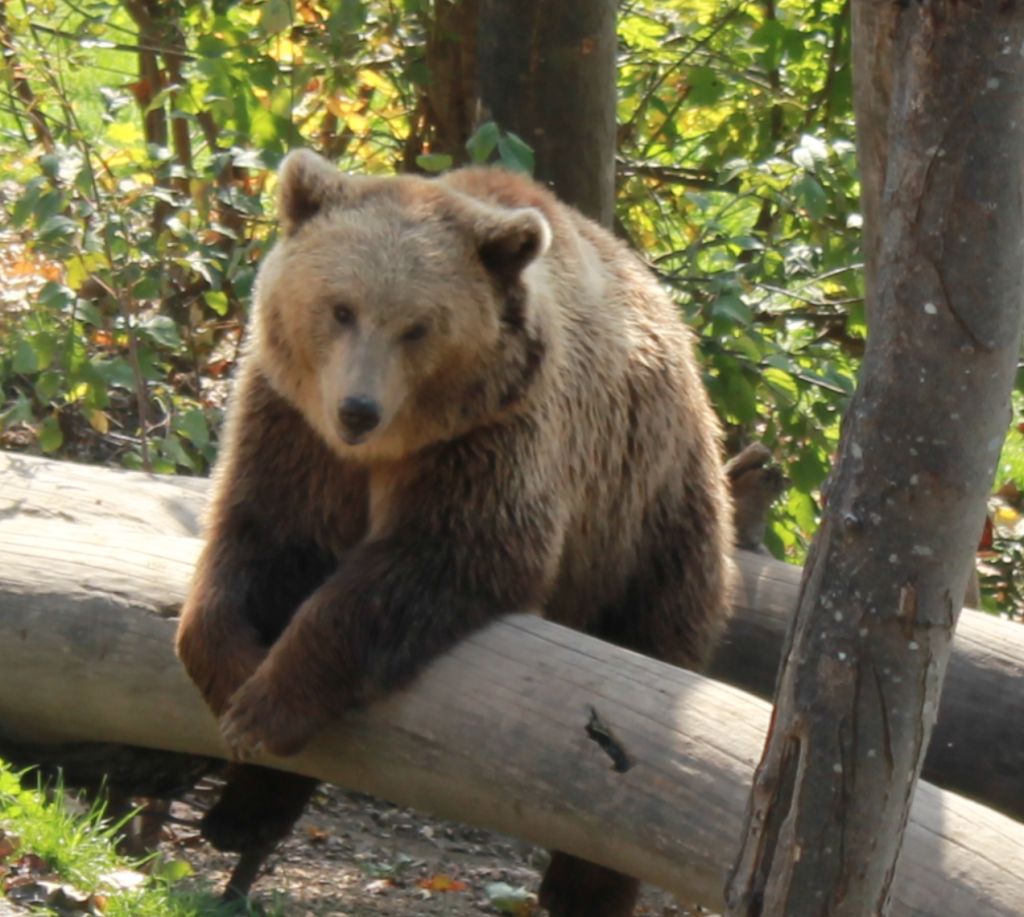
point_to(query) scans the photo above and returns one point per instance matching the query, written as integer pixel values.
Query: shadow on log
(495, 734)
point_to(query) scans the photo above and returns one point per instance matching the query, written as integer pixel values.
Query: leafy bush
(138, 142)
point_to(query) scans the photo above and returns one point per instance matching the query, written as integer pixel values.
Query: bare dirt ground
(353, 855)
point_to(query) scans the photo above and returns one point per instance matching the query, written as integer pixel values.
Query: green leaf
(48, 386)
(50, 436)
(25, 358)
(516, 155)
(733, 308)
(782, 382)
(794, 44)
(808, 471)
(803, 509)
(116, 371)
(351, 16)
(193, 426)
(217, 301)
(19, 412)
(434, 162)
(170, 870)
(57, 227)
(171, 448)
(162, 330)
(56, 295)
(277, 15)
(86, 311)
(706, 87)
(483, 142)
(811, 196)
(25, 205)
(740, 399)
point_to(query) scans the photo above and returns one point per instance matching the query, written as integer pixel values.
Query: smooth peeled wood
(977, 746)
(495, 733)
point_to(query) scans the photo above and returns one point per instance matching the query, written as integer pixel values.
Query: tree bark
(548, 73)
(451, 94)
(873, 33)
(860, 683)
(494, 734)
(977, 745)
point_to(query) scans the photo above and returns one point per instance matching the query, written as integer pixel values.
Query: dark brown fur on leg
(246, 871)
(259, 807)
(577, 888)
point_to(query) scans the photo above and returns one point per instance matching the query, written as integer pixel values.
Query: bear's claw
(256, 722)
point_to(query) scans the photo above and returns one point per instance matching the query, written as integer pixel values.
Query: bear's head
(397, 312)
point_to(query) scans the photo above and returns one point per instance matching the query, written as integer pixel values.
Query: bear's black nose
(359, 415)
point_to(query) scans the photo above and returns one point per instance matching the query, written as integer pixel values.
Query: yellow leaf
(442, 883)
(339, 106)
(374, 79)
(357, 123)
(99, 421)
(119, 158)
(286, 51)
(125, 132)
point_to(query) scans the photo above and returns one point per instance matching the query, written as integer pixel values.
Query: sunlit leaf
(434, 162)
(50, 435)
(276, 16)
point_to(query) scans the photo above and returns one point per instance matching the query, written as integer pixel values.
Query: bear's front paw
(218, 667)
(259, 720)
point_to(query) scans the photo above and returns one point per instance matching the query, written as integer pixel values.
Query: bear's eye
(415, 333)
(344, 315)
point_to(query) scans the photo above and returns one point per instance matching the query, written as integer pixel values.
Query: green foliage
(137, 213)
(739, 180)
(148, 209)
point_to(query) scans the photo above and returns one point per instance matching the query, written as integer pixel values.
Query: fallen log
(977, 746)
(495, 734)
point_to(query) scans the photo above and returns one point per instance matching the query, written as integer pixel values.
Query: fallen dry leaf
(442, 883)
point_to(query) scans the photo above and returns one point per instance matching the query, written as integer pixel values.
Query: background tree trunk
(860, 685)
(547, 73)
(452, 98)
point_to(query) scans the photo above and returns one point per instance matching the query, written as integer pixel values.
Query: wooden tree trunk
(860, 685)
(495, 733)
(977, 746)
(873, 27)
(548, 73)
(451, 93)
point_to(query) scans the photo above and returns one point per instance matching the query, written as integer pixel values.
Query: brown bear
(459, 399)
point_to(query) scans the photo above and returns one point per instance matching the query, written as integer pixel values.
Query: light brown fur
(544, 443)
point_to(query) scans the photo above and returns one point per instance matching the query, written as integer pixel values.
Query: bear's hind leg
(578, 888)
(257, 810)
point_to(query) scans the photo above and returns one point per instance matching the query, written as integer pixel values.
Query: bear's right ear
(509, 240)
(306, 184)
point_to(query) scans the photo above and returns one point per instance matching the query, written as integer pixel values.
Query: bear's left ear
(510, 240)
(307, 183)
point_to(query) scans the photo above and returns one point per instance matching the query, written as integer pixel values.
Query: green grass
(80, 849)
